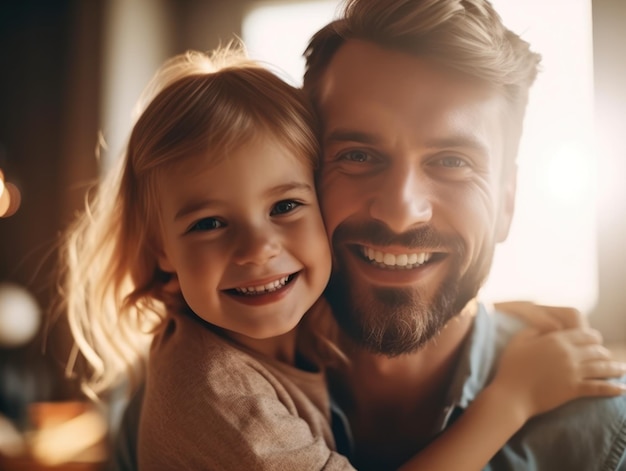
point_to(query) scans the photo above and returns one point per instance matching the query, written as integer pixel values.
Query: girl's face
(245, 238)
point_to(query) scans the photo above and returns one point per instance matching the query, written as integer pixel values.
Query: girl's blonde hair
(113, 291)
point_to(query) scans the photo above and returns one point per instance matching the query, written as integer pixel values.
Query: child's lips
(264, 295)
(262, 287)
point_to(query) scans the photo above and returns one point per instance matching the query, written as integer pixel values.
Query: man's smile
(395, 267)
(406, 260)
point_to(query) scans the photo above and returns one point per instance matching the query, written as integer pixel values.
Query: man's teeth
(262, 289)
(404, 260)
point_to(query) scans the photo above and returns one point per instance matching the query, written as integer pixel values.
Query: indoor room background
(73, 69)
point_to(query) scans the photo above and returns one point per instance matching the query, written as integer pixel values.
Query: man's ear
(507, 203)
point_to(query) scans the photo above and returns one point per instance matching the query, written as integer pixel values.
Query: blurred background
(72, 70)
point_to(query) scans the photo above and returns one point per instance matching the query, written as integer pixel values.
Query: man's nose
(256, 245)
(403, 200)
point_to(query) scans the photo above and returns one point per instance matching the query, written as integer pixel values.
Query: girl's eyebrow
(289, 187)
(196, 205)
(193, 206)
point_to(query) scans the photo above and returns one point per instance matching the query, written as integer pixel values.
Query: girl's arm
(537, 373)
(544, 318)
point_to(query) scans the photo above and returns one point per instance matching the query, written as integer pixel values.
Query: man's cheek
(333, 204)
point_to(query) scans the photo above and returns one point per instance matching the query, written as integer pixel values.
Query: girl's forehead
(262, 152)
(260, 146)
(254, 174)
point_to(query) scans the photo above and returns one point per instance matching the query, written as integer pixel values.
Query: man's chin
(387, 321)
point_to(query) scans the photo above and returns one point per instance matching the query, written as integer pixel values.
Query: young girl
(207, 242)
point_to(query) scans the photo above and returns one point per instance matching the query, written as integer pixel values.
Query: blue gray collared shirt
(583, 435)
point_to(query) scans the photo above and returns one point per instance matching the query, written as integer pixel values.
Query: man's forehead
(379, 92)
(363, 70)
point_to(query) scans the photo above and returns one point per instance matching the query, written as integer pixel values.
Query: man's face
(412, 193)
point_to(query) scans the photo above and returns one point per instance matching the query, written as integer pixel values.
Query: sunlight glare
(568, 175)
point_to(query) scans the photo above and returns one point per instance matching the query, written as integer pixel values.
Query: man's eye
(452, 162)
(356, 156)
(283, 207)
(206, 224)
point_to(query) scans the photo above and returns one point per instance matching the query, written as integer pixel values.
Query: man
(422, 104)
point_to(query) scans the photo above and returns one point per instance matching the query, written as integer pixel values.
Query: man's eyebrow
(459, 141)
(343, 135)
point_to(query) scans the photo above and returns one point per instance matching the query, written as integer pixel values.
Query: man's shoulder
(587, 434)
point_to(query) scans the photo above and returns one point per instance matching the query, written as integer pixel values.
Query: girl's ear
(164, 262)
(171, 284)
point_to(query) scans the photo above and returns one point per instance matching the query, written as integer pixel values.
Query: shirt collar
(478, 359)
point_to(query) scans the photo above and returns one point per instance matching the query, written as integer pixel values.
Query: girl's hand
(539, 372)
(544, 318)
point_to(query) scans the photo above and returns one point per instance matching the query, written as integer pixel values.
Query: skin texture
(249, 220)
(408, 169)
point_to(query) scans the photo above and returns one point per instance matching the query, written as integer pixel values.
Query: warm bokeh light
(10, 197)
(67, 432)
(20, 315)
(5, 201)
(10, 200)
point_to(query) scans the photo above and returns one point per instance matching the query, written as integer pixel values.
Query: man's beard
(394, 321)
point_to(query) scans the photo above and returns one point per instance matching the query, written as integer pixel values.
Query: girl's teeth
(261, 289)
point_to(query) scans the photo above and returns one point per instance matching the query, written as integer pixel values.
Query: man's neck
(378, 379)
(387, 399)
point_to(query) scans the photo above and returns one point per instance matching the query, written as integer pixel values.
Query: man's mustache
(377, 233)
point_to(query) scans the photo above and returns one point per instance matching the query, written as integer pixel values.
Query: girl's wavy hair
(464, 35)
(113, 292)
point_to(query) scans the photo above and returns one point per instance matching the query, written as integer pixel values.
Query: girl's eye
(206, 224)
(283, 207)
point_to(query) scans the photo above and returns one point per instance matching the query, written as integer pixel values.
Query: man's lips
(405, 260)
(395, 266)
(402, 258)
